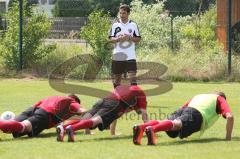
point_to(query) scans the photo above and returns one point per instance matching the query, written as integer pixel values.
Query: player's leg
(25, 114)
(132, 71)
(133, 78)
(37, 123)
(116, 80)
(191, 122)
(106, 114)
(20, 125)
(61, 129)
(118, 68)
(138, 131)
(165, 125)
(171, 126)
(12, 126)
(82, 124)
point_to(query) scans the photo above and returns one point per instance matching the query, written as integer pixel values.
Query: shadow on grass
(111, 138)
(125, 137)
(53, 134)
(43, 135)
(198, 141)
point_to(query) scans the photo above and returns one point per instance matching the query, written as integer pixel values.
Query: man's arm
(114, 40)
(125, 37)
(135, 39)
(81, 111)
(113, 127)
(229, 125)
(77, 109)
(224, 109)
(144, 115)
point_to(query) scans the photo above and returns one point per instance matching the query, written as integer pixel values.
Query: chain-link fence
(66, 27)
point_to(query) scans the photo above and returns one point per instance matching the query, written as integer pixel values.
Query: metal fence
(66, 27)
(228, 30)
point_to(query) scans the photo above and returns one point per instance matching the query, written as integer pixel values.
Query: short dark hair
(222, 94)
(125, 7)
(75, 98)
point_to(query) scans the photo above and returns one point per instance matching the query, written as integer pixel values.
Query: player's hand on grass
(116, 134)
(89, 132)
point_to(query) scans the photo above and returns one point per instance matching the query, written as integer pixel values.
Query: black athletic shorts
(120, 67)
(191, 122)
(37, 117)
(108, 110)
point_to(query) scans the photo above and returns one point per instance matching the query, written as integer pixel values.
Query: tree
(35, 28)
(72, 8)
(95, 33)
(82, 8)
(187, 7)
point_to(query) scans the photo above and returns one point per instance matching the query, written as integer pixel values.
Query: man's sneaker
(60, 133)
(137, 134)
(152, 140)
(70, 133)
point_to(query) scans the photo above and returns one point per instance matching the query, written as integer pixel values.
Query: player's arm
(113, 127)
(136, 35)
(135, 39)
(225, 110)
(142, 107)
(112, 38)
(145, 117)
(229, 125)
(77, 109)
(81, 111)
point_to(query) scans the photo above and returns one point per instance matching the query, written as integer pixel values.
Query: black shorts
(108, 110)
(120, 67)
(191, 122)
(37, 117)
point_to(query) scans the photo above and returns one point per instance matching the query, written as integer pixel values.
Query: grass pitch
(17, 95)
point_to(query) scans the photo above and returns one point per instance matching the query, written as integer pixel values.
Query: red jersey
(132, 96)
(221, 106)
(59, 106)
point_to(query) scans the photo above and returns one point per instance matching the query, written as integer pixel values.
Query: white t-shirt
(126, 48)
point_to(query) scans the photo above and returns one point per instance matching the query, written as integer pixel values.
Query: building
(3, 6)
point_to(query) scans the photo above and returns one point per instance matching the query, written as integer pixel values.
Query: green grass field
(16, 95)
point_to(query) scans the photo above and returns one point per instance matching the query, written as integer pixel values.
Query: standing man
(198, 114)
(45, 114)
(124, 34)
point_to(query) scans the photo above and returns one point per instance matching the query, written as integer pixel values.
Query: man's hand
(89, 132)
(113, 128)
(124, 37)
